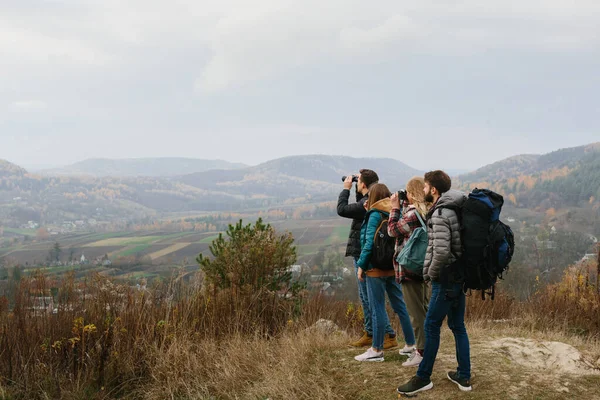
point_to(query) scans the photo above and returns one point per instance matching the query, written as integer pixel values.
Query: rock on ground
(551, 356)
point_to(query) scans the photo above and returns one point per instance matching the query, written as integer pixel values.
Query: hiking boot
(407, 350)
(389, 342)
(463, 384)
(413, 360)
(370, 355)
(365, 340)
(415, 385)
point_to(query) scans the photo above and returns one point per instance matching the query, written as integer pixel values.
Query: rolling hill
(156, 167)
(567, 178)
(302, 179)
(8, 169)
(564, 178)
(318, 176)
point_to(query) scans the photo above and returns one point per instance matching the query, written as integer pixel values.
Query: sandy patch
(554, 357)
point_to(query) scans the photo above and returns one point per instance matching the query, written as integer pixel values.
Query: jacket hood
(384, 205)
(451, 198)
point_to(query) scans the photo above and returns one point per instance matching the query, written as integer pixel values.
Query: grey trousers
(416, 296)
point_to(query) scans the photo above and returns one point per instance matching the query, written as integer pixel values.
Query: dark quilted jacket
(357, 212)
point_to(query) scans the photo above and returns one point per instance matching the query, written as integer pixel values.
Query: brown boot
(365, 340)
(389, 342)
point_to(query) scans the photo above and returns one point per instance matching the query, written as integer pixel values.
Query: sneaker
(463, 384)
(413, 360)
(415, 385)
(365, 340)
(370, 355)
(407, 350)
(389, 342)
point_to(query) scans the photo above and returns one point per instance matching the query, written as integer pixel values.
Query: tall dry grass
(108, 337)
(571, 305)
(174, 340)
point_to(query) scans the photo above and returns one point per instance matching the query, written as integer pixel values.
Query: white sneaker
(370, 355)
(407, 350)
(414, 360)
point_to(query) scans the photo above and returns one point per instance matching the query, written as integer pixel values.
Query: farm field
(159, 249)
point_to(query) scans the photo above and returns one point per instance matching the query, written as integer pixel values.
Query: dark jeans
(363, 295)
(378, 287)
(446, 300)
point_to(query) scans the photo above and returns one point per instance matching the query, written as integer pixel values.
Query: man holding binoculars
(356, 211)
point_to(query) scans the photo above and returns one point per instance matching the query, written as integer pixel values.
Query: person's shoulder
(447, 212)
(373, 214)
(442, 213)
(409, 210)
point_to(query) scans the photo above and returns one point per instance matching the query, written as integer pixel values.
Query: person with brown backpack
(375, 265)
(356, 211)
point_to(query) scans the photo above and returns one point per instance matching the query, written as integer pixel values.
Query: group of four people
(422, 301)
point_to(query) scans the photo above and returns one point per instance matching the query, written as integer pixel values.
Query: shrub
(249, 278)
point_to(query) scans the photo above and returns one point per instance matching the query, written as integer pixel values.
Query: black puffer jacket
(357, 212)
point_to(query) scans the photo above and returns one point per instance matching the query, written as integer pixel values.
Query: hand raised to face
(395, 200)
(348, 182)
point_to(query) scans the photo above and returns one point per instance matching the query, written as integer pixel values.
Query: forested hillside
(564, 178)
(297, 180)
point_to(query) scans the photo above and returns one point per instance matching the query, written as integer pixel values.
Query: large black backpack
(382, 254)
(487, 243)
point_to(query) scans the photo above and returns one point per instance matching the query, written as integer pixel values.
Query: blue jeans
(446, 300)
(377, 288)
(363, 295)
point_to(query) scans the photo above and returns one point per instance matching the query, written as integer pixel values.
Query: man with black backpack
(446, 273)
(356, 211)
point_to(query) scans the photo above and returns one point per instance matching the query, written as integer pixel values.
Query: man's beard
(429, 197)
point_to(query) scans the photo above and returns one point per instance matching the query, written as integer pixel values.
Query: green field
(339, 235)
(209, 239)
(166, 248)
(140, 248)
(24, 232)
(307, 249)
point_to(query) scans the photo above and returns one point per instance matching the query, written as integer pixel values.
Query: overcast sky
(454, 84)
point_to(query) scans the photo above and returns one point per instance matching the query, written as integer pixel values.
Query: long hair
(415, 187)
(378, 192)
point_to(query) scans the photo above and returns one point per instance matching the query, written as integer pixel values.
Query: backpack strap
(420, 219)
(380, 223)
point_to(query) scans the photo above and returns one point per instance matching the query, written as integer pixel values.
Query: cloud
(28, 105)
(248, 47)
(308, 70)
(251, 42)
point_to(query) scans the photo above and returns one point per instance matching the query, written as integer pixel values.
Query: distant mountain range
(157, 167)
(149, 188)
(298, 176)
(47, 198)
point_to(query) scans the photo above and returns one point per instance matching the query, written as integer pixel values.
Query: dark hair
(368, 177)
(378, 191)
(439, 180)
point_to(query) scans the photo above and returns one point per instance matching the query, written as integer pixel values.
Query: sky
(451, 84)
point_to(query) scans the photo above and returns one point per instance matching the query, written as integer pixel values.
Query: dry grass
(305, 365)
(176, 341)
